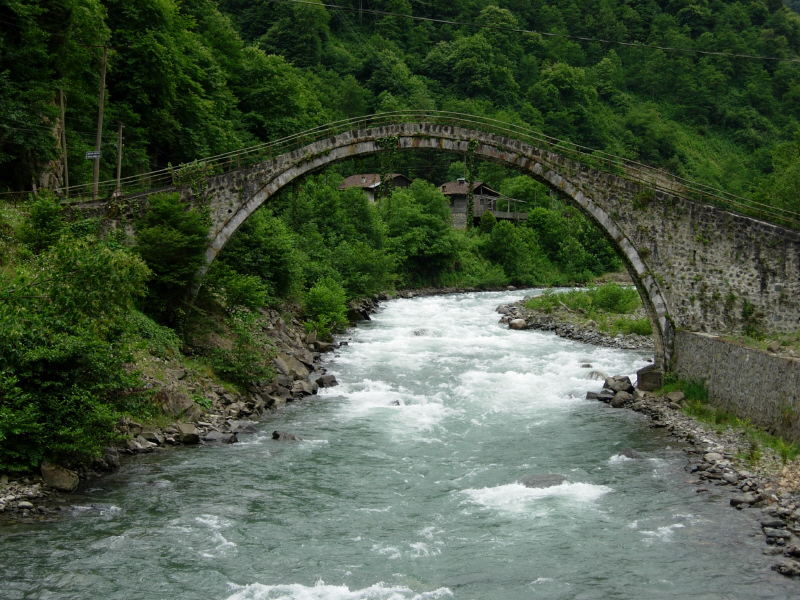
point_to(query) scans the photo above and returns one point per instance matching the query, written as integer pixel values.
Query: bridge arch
(237, 194)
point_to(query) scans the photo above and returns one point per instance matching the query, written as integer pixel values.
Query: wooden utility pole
(64, 143)
(96, 171)
(119, 159)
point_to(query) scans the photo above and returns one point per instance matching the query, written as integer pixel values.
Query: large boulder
(188, 433)
(326, 381)
(649, 378)
(284, 437)
(620, 399)
(175, 403)
(619, 383)
(630, 453)
(59, 478)
(541, 480)
(290, 366)
(518, 324)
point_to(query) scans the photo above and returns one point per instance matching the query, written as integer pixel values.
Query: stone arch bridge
(701, 259)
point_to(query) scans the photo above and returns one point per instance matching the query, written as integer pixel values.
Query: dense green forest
(194, 78)
(199, 77)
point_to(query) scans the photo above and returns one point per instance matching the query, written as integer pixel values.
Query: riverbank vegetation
(614, 308)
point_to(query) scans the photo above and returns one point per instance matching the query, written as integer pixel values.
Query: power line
(542, 33)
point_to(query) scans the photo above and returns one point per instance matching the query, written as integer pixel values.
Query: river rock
(59, 478)
(790, 569)
(152, 435)
(284, 437)
(188, 433)
(742, 499)
(243, 427)
(648, 379)
(213, 436)
(713, 457)
(544, 480)
(24, 505)
(518, 324)
(326, 381)
(620, 399)
(677, 397)
(289, 365)
(631, 453)
(730, 477)
(619, 384)
(777, 533)
(175, 403)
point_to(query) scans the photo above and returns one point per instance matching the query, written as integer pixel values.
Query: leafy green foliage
(325, 307)
(488, 221)
(159, 340)
(62, 323)
(247, 360)
(45, 224)
(171, 238)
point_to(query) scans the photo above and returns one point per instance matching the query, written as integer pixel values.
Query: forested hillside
(199, 77)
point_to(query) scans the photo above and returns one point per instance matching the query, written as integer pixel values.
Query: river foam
(321, 591)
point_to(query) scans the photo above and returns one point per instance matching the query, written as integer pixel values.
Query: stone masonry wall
(750, 383)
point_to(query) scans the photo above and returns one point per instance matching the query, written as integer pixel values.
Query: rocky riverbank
(725, 462)
(198, 410)
(570, 325)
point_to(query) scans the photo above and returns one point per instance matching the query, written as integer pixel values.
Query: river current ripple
(405, 488)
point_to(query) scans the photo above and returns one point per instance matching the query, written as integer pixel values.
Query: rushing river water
(404, 487)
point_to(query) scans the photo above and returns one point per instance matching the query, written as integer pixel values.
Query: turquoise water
(404, 487)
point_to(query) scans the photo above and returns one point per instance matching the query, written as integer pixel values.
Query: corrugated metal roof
(366, 180)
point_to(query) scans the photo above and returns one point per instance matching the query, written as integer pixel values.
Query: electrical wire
(542, 33)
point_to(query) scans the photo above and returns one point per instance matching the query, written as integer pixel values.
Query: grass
(611, 305)
(696, 406)
(789, 341)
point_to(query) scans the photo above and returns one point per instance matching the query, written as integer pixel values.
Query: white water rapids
(405, 488)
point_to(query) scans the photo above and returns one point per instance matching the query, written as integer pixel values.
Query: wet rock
(243, 427)
(788, 568)
(229, 438)
(152, 435)
(213, 436)
(24, 505)
(586, 366)
(111, 457)
(620, 399)
(619, 384)
(284, 437)
(394, 403)
(631, 453)
(544, 480)
(59, 478)
(771, 522)
(326, 381)
(188, 433)
(730, 477)
(777, 533)
(743, 499)
(792, 550)
(518, 324)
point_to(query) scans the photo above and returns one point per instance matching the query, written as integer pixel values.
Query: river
(404, 486)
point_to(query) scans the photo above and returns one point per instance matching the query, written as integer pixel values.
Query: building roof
(366, 180)
(460, 188)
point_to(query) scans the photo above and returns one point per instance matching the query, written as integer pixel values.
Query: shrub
(487, 223)
(248, 360)
(161, 341)
(44, 226)
(171, 238)
(236, 290)
(62, 376)
(325, 306)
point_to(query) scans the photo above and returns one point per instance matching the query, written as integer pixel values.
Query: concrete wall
(750, 383)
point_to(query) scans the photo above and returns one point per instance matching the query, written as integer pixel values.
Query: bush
(161, 341)
(487, 223)
(62, 376)
(247, 361)
(236, 290)
(325, 307)
(44, 226)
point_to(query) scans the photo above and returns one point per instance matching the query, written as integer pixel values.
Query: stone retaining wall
(750, 383)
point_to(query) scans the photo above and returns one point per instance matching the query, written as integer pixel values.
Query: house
(371, 183)
(484, 198)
